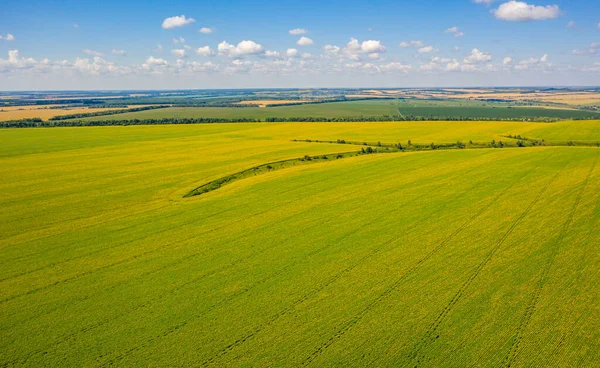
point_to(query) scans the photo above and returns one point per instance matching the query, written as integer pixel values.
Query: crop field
(457, 257)
(365, 108)
(27, 112)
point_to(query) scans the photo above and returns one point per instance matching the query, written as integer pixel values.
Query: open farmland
(455, 257)
(45, 113)
(366, 108)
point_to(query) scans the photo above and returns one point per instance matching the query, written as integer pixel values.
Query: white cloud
(427, 49)
(177, 21)
(372, 46)
(242, 49)
(178, 40)
(119, 52)
(453, 65)
(307, 55)
(205, 30)
(92, 52)
(518, 11)
(374, 55)
(571, 24)
(483, 1)
(8, 37)
(205, 51)
(455, 32)
(592, 50)
(298, 31)
(441, 64)
(272, 54)
(477, 57)
(179, 53)
(411, 44)
(291, 53)
(155, 61)
(507, 61)
(354, 48)
(395, 66)
(304, 41)
(533, 63)
(331, 50)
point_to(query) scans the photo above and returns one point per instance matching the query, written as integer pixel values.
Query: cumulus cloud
(8, 37)
(155, 61)
(291, 53)
(177, 21)
(205, 30)
(307, 55)
(205, 51)
(91, 52)
(395, 67)
(411, 44)
(507, 61)
(441, 64)
(455, 32)
(331, 50)
(483, 1)
(119, 52)
(298, 31)
(533, 63)
(179, 53)
(427, 49)
(354, 48)
(477, 57)
(178, 40)
(518, 11)
(272, 54)
(592, 50)
(304, 41)
(243, 48)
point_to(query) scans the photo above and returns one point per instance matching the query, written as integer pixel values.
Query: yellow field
(45, 113)
(264, 103)
(442, 258)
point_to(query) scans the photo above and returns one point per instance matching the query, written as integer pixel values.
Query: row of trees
(108, 112)
(67, 120)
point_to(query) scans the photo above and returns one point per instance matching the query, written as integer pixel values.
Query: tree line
(101, 113)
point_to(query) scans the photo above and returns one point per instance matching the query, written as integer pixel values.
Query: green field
(367, 108)
(471, 257)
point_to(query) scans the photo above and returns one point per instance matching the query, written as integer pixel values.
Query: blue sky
(115, 44)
